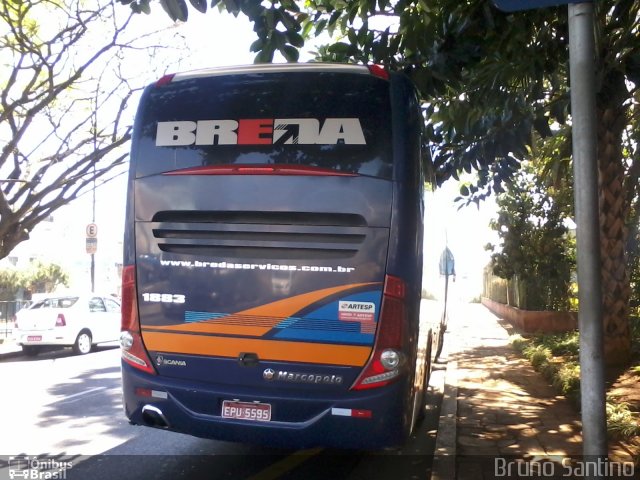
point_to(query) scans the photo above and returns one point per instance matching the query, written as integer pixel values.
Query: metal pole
(585, 167)
(93, 219)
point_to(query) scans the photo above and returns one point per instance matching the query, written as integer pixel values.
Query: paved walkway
(504, 407)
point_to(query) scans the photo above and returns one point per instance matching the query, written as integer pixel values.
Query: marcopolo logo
(295, 377)
(266, 131)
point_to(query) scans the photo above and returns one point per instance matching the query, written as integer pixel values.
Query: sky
(217, 39)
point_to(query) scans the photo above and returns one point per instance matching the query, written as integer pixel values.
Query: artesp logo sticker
(363, 312)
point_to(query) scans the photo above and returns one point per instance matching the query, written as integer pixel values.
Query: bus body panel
(263, 287)
(367, 420)
(303, 273)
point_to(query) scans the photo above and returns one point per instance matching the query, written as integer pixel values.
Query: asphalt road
(62, 413)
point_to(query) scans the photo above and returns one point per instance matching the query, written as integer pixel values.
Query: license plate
(259, 412)
(34, 338)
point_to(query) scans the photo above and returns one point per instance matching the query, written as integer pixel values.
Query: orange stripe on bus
(272, 350)
(266, 316)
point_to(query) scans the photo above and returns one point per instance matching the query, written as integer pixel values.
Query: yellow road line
(276, 470)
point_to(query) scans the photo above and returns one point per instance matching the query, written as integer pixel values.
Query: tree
(535, 247)
(38, 278)
(488, 80)
(64, 123)
(45, 277)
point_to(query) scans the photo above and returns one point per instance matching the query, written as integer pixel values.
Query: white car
(78, 321)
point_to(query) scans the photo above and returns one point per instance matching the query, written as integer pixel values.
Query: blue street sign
(515, 5)
(447, 263)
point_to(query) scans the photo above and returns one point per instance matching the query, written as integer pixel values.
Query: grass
(557, 358)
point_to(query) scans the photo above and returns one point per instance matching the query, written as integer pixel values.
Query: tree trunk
(613, 236)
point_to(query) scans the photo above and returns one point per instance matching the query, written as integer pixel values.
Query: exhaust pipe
(153, 417)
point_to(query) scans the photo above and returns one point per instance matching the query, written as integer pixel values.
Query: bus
(273, 257)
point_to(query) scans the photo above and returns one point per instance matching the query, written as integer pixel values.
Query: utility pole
(93, 221)
(585, 172)
(587, 212)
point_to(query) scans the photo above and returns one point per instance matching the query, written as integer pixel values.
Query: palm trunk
(614, 211)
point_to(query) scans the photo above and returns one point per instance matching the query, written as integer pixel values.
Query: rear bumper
(299, 419)
(46, 337)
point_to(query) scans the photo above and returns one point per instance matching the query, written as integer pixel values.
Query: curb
(444, 460)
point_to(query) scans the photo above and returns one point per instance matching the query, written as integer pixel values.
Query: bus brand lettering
(267, 131)
(292, 377)
(161, 361)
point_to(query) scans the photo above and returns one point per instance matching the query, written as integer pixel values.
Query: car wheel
(82, 345)
(31, 350)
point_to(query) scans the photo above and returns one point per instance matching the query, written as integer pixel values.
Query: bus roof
(275, 68)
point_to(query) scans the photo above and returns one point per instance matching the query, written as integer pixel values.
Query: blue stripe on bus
(325, 336)
(191, 317)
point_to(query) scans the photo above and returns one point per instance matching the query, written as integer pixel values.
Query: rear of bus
(273, 257)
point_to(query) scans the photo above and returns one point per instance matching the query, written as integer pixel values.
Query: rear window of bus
(305, 97)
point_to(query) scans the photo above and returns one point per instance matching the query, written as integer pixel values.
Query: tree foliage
(535, 246)
(63, 122)
(38, 278)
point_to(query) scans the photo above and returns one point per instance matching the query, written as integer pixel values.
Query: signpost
(585, 168)
(92, 248)
(92, 245)
(92, 238)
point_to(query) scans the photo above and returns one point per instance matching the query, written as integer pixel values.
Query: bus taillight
(165, 80)
(131, 346)
(379, 71)
(388, 358)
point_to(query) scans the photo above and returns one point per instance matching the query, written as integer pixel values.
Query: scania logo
(296, 377)
(161, 361)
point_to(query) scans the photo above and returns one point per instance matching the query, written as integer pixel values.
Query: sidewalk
(504, 407)
(8, 348)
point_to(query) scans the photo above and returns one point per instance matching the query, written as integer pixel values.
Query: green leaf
(290, 23)
(200, 5)
(145, 7)
(295, 39)
(291, 54)
(176, 9)
(339, 48)
(541, 124)
(334, 17)
(265, 55)
(320, 26)
(232, 7)
(464, 191)
(306, 30)
(257, 45)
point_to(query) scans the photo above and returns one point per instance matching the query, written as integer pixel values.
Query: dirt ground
(625, 387)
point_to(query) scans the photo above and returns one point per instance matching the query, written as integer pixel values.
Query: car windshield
(61, 302)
